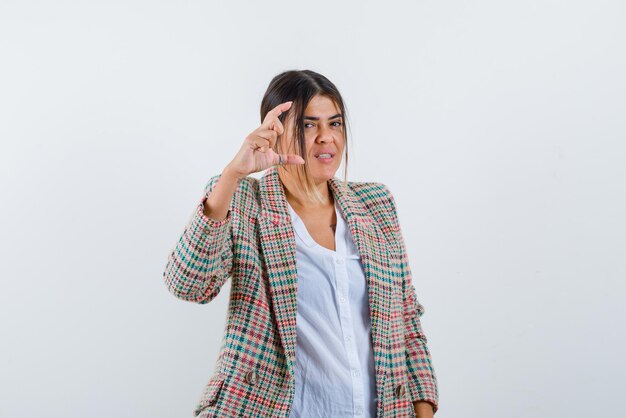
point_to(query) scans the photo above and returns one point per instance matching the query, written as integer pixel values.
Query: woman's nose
(325, 135)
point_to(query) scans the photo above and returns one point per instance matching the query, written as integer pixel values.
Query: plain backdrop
(498, 125)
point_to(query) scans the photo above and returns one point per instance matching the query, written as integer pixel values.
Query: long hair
(300, 86)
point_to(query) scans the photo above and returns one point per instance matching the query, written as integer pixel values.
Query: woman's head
(315, 123)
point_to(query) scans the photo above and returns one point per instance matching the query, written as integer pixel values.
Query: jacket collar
(274, 202)
(279, 250)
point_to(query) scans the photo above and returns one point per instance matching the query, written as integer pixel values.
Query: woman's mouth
(325, 157)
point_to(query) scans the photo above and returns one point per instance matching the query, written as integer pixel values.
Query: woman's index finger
(282, 107)
(275, 112)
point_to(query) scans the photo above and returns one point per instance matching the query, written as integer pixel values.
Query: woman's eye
(335, 124)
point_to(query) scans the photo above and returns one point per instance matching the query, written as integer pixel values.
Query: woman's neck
(296, 196)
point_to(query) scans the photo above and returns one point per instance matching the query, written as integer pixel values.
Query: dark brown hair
(300, 86)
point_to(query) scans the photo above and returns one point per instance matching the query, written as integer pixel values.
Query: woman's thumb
(289, 159)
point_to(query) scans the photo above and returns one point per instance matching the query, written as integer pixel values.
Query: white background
(498, 125)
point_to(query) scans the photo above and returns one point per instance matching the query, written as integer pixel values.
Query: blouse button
(400, 391)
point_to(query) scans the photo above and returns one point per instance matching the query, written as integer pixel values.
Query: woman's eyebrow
(338, 115)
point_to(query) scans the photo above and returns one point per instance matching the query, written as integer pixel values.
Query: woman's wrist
(423, 409)
(231, 174)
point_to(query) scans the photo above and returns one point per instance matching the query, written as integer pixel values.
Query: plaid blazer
(255, 246)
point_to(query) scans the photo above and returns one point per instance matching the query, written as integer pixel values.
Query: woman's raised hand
(256, 153)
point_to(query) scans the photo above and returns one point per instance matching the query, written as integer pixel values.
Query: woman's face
(323, 133)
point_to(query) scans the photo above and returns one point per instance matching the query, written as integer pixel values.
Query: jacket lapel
(279, 249)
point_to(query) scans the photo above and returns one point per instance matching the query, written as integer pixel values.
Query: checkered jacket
(255, 247)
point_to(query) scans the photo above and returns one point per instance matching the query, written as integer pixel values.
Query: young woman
(323, 319)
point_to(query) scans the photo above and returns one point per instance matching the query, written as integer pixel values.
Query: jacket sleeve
(422, 378)
(202, 259)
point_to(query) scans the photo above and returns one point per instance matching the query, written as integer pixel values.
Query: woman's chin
(324, 175)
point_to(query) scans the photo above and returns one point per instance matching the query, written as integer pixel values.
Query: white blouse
(335, 374)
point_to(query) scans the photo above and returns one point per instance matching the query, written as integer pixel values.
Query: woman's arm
(202, 259)
(422, 383)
